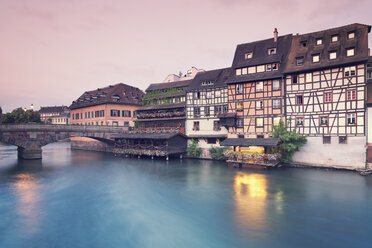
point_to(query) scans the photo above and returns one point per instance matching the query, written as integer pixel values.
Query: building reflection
(26, 188)
(251, 202)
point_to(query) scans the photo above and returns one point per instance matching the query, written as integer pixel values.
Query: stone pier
(30, 153)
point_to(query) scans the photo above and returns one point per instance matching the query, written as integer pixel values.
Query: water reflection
(251, 202)
(26, 188)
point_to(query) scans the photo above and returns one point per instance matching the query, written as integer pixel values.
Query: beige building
(62, 119)
(114, 105)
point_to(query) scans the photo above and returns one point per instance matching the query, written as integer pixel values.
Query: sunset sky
(52, 51)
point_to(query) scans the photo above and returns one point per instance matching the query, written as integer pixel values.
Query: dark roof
(261, 57)
(360, 43)
(148, 135)
(53, 109)
(165, 106)
(250, 142)
(176, 84)
(218, 78)
(116, 94)
(227, 115)
(207, 136)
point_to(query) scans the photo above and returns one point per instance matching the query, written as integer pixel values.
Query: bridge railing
(60, 128)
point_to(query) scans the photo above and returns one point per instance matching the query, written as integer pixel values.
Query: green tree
(217, 152)
(291, 140)
(18, 116)
(193, 149)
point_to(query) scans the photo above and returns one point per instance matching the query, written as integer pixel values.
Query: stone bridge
(29, 138)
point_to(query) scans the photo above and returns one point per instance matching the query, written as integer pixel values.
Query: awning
(268, 142)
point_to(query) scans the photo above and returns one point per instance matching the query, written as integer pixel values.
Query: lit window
(350, 52)
(351, 35)
(332, 55)
(342, 140)
(248, 55)
(300, 61)
(319, 41)
(327, 97)
(244, 71)
(276, 84)
(276, 103)
(334, 38)
(209, 94)
(239, 105)
(326, 139)
(239, 89)
(259, 86)
(351, 119)
(251, 69)
(323, 121)
(309, 77)
(316, 58)
(217, 93)
(259, 122)
(260, 68)
(259, 104)
(299, 100)
(350, 71)
(272, 51)
(299, 121)
(351, 95)
(238, 72)
(276, 121)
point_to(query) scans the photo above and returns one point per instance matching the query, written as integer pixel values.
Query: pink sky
(52, 51)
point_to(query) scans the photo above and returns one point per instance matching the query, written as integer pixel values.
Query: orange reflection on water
(26, 188)
(250, 200)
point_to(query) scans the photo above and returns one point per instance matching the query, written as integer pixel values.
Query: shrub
(193, 149)
(217, 153)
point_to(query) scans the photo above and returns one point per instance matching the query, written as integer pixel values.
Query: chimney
(275, 35)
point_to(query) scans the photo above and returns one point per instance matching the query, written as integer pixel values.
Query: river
(88, 199)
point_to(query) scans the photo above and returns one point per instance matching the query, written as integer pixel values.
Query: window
(197, 95)
(276, 121)
(251, 69)
(239, 89)
(239, 122)
(332, 55)
(303, 43)
(299, 121)
(244, 71)
(323, 120)
(342, 139)
(276, 84)
(316, 58)
(269, 67)
(351, 35)
(207, 111)
(211, 140)
(350, 52)
(196, 111)
(276, 103)
(351, 119)
(309, 77)
(238, 72)
(217, 110)
(334, 38)
(294, 79)
(239, 106)
(272, 51)
(209, 94)
(259, 86)
(319, 41)
(259, 122)
(299, 100)
(114, 113)
(327, 97)
(261, 68)
(225, 108)
(196, 126)
(217, 93)
(275, 67)
(299, 61)
(216, 126)
(259, 104)
(248, 55)
(326, 139)
(351, 95)
(349, 71)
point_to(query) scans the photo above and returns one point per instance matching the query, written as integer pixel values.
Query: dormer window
(272, 51)
(351, 35)
(333, 55)
(319, 41)
(350, 52)
(238, 72)
(115, 98)
(275, 67)
(207, 83)
(269, 67)
(244, 71)
(316, 58)
(248, 55)
(304, 43)
(300, 61)
(334, 38)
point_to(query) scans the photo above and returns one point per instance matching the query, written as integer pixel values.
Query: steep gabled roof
(52, 109)
(210, 79)
(161, 86)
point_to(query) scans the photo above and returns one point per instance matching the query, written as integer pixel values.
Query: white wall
(351, 155)
(369, 124)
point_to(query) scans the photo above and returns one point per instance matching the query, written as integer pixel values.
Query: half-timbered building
(206, 99)
(256, 88)
(326, 92)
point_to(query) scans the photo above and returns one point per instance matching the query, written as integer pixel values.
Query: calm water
(88, 199)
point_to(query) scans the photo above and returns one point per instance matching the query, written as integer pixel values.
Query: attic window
(300, 61)
(334, 38)
(319, 41)
(115, 98)
(275, 67)
(272, 51)
(304, 43)
(207, 83)
(350, 52)
(248, 55)
(351, 35)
